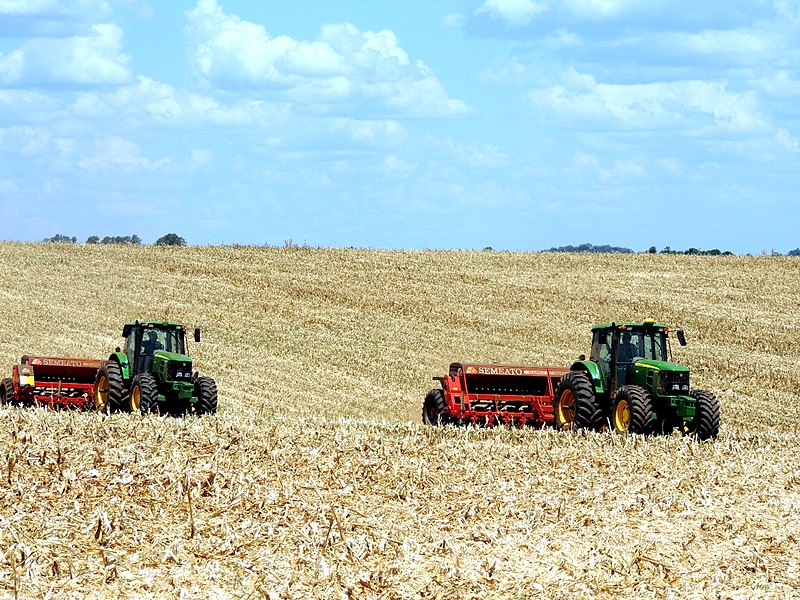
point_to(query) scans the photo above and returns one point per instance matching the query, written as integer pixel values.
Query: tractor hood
(660, 365)
(171, 356)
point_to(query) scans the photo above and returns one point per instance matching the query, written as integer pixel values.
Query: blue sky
(515, 124)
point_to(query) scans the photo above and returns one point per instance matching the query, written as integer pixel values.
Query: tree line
(170, 239)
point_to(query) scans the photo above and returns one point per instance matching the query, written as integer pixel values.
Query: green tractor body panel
(666, 382)
(124, 365)
(599, 380)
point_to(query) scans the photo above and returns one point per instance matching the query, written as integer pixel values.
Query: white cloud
(597, 9)
(689, 105)
(788, 141)
(514, 12)
(454, 20)
(91, 59)
(114, 152)
(55, 8)
(345, 70)
(199, 157)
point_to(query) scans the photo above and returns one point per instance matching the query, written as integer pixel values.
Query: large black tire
(144, 394)
(206, 390)
(433, 409)
(7, 392)
(575, 405)
(109, 389)
(705, 425)
(632, 410)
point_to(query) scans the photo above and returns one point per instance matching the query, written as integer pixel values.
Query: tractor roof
(126, 329)
(646, 324)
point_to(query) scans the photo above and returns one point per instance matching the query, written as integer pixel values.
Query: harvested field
(316, 479)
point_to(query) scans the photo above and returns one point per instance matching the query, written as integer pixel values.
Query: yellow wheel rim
(622, 416)
(566, 408)
(136, 398)
(101, 397)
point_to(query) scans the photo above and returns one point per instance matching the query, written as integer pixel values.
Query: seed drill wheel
(632, 410)
(433, 408)
(108, 388)
(206, 390)
(7, 392)
(575, 405)
(144, 394)
(705, 425)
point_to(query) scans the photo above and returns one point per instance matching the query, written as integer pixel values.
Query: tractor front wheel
(7, 392)
(206, 389)
(434, 407)
(144, 394)
(632, 410)
(575, 405)
(705, 425)
(108, 388)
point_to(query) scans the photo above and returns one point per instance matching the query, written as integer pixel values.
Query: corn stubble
(316, 479)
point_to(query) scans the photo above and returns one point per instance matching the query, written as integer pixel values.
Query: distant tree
(121, 239)
(488, 249)
(93, 239)
(652, 250)
(604, 249)
(171, 239)
(795, 252)
(62, 239)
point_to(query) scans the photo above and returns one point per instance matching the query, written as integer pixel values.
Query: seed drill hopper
(52, 382)
(490, 394)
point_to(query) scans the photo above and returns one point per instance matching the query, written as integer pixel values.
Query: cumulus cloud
(513, 12)
(90, 59)
(343, 69)
(115, 152)
(579, 100)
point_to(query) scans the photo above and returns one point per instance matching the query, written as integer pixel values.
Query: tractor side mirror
(197, 335)
(582, 357)
(681, 337)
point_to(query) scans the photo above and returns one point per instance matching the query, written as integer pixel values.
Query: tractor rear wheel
(7, 391)
(632, 410)
(434, 407)
(705, 425)
(109, 388)
(206, 390)
(144, 394)
(575, 405)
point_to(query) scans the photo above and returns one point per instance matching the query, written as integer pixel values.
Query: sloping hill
(315, 478)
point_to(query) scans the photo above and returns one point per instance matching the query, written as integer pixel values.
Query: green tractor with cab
(153, 373)
(630, 384)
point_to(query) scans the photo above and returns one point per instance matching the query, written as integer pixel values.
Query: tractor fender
(122, 359)
(593, 371)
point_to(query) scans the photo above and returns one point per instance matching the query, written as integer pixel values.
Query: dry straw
(315, 478)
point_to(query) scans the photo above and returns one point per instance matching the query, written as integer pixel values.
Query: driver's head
(151, 336)
(626, 338)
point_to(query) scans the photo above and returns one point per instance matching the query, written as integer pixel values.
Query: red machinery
(53, 382)
(488, 394)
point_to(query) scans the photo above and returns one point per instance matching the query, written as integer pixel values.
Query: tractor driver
(627, 350)
(151, 343)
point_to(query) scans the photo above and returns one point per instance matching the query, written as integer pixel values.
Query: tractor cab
(143, 340)
(616, 347)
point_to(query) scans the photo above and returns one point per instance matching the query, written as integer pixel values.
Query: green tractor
(630, 384)
(153, 373)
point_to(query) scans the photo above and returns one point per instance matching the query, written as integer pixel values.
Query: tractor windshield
(642, 344)
(171, 340)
